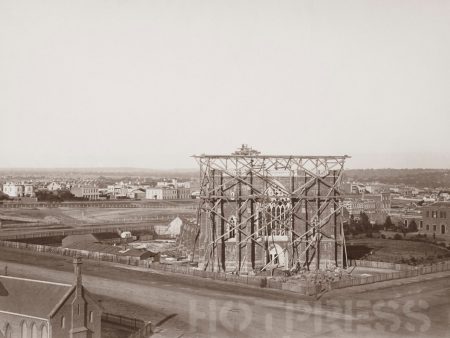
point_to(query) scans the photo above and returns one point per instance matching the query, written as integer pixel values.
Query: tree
(56, 196)
(388, 223)
(412, 226)
(3, 196)
(364, 222)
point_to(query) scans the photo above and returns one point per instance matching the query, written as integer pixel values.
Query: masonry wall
(14, 324)
(436, 222)
(64, 316)
(330, 249)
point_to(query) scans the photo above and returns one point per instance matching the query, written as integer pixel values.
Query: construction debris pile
(326, 276)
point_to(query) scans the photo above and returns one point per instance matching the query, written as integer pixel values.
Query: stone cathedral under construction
(259, 211)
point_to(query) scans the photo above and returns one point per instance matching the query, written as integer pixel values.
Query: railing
(78, 231)
(144, 332)
(132, 323)
(143, 329)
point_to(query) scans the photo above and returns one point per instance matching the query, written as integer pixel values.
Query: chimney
(77, 270)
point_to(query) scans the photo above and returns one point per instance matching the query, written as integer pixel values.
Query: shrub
(383, 236)
(398, 236)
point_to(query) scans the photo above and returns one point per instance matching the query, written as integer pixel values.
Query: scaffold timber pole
(259, 211)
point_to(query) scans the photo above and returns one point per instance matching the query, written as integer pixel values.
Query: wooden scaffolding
(248, 201)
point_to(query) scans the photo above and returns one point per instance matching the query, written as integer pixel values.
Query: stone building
(163, 193)
(18, 190)
(375, 206)
(436, 220)
(89, 192)
(273, 223)
(42, 309)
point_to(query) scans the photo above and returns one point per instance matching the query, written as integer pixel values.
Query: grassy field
(397, 251)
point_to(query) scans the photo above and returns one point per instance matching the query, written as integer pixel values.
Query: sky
(130, 83)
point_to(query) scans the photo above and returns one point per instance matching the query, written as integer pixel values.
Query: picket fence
(300, 287)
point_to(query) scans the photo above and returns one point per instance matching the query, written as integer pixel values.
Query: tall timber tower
(259, 211)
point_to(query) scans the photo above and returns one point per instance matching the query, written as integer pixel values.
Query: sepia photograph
(224, 168)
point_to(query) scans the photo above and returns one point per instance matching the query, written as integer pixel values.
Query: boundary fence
(300, 287)
(403, 271)
(79, 231)
(142, 329)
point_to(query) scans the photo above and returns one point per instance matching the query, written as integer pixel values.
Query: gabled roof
(97, 247)
(109, 249)
(440, 204)
(85, 238)
(86, 295)
(30, 297)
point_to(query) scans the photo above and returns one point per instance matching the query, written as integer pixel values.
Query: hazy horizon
(111, 83)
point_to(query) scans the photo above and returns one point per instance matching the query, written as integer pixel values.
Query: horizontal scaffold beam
(250, 204)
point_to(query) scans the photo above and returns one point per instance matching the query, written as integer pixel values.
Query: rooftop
(16, 295)
(439, 204)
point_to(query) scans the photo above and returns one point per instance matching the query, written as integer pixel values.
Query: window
(231, 227)
(24, 330)
(34, 331)
(44, 331)
(443, 229)
(63, 322)
(427, 213)
(274, 259)
(8, 331)
(434, 227)
(421, 224)
(428, 227)
(91, 317)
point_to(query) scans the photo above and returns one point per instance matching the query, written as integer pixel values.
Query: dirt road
(185, 307)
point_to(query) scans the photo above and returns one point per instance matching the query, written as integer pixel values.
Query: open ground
(183, 306)
(396, 251)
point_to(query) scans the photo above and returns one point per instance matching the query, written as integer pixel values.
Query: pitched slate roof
(443, 204)
(97, 247)
(86, 238)
(30, 297)
(110, 249)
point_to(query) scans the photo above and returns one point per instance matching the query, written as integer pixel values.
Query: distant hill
(96, 172)
(421, 178)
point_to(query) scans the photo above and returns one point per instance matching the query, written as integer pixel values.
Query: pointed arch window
(8, 331)
(24, 330)
(44, 331)
(232, 222)
(34, 331)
